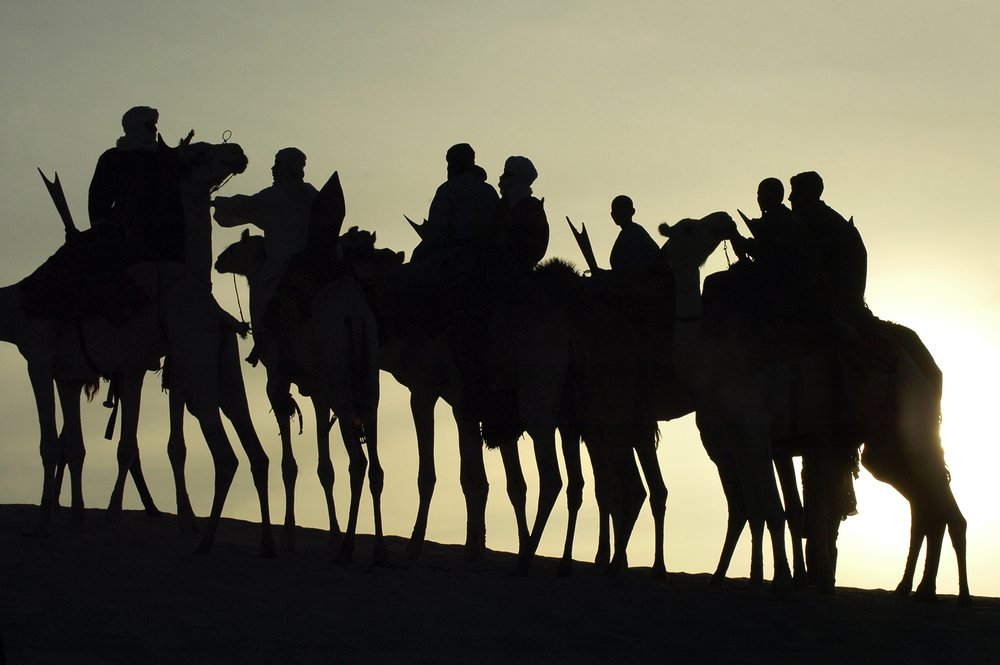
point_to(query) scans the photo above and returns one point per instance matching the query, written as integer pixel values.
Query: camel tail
(90, 389)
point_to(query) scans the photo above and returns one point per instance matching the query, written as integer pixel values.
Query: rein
(240, 306)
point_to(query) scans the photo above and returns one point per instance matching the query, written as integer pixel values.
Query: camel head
(244, 257)
(208, 164)
(691, 241)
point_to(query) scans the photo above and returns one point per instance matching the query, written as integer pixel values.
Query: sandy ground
(136, 594)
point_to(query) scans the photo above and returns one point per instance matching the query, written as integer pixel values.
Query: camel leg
(905, 585)
(764, 508)
(646, 451)
(601, 494)
(422, 409)
(376, 483)
(72, 448)
(736, 520)
(357, 467)
(549, 486)
(574, 494)
(714, 441)
(927, 589)
(774, 516)
(816, 490)
(517, 490)
(177, 454)
(48, 447)
(633, 495)
(128, 444)
(223, 459)
(232, 400)
(324, 465)
(475, 485)
(793, 514)
(139, 480)
(956, 531)
(281, 405)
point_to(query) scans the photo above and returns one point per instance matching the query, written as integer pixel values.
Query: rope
(239, 305)
(226, 135)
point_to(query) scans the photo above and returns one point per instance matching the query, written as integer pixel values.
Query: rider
(835, 241)
(135, 191)
(634, 250)
(461, 206)
(519, 230)
(281, 211)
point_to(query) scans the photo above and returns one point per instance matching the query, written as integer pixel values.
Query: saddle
(88, 276)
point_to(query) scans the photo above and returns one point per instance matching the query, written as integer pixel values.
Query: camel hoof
(153, 512)
(903, 590)
(565, 568)
(718, 579)
(346, 554)
(474, 553)
(415, 548)
(659, 573)
(380, 555)
(964, 600)
(925, 595)
(267, 550)
(287, 542)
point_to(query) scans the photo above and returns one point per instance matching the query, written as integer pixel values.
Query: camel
(171, 311)
(898, 409)
(423, 359)
(332, 358)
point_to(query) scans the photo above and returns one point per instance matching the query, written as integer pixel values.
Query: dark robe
(138, 193)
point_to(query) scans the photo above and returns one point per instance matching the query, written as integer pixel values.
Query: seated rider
(135, 192)
(281, 211)
(834, 241)
(461, 206)
(634, 251)
(519, 230)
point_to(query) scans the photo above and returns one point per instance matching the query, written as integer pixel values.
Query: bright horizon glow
(684, 107)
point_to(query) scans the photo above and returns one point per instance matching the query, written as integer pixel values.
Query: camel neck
(687, 287)
(10, 306)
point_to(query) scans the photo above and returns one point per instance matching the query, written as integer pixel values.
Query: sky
(684, 106)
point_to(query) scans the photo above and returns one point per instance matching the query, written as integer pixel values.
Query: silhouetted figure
(634, 251)
(135, 191)
(836, 242)
(461, 206)
(836, 247)
(282, 211)
(519, 228)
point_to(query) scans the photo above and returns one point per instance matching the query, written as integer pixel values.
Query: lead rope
(240, 306)
(226, 135)
(725, 250)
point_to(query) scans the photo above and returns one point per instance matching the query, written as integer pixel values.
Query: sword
(583, 240)
(59, 199)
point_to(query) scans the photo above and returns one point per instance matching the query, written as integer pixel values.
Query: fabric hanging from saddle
(85, 277)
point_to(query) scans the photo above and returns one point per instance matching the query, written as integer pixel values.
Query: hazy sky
(684, 107)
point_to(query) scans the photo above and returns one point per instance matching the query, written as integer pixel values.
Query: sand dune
(135, 594)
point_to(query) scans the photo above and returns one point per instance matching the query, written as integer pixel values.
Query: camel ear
(665, 230)
(245, 235)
